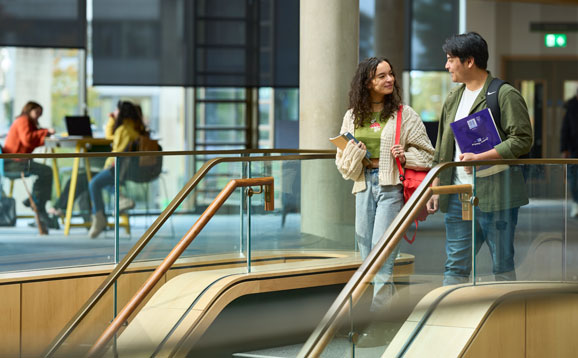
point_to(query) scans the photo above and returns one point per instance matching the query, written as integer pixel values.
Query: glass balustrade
(381, 300)
(537, 199)
(223, 247)
(282, 240)
(367, 321)
(312, 225)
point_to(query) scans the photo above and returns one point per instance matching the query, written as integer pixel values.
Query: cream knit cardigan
(416, 144)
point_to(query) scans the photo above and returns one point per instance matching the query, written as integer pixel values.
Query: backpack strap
(494, 105)
(492, 100)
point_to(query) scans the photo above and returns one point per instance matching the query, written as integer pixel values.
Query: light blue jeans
(495, 228)
(96, 186)
(375, 209)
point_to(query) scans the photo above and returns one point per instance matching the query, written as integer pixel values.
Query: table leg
(71, 194)
(56, 175)
(87, 168)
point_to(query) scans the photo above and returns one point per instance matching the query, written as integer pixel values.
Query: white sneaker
(125, 204)
(98, 225)
(574, 210)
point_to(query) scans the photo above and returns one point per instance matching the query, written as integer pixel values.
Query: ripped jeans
(375, 209)
(495, 228)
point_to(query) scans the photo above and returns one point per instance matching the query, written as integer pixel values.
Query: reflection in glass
(428, 92)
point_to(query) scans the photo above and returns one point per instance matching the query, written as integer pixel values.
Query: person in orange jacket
(24, 136)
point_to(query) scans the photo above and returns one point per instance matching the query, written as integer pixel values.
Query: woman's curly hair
(359, 95)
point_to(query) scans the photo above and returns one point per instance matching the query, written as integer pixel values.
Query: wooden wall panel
(502, 334)
(47, 306)
(10, 321)
(552, 323)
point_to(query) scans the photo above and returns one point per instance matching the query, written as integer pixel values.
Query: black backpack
(494, 105)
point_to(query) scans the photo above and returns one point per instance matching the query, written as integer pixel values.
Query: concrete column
(329, 47)
(389, 29)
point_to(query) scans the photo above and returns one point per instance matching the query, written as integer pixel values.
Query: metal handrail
(353, 290)
(154, 228)
(99, 346)
(161, 153)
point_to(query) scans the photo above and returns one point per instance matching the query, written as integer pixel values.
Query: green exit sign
(555, 40)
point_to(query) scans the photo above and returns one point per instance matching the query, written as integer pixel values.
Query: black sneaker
(49, 221)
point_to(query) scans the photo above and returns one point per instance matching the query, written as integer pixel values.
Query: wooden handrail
(360, 280)
(98, 347)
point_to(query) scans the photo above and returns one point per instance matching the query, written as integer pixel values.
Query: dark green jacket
(499, 191)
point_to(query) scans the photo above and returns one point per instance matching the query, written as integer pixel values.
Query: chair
(146, 187)
(13, 176)
(144, 170)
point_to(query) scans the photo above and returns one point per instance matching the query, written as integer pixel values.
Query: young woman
(127, 127)
(24, 136)
(374, 99)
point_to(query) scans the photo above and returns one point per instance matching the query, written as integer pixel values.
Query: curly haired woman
(374, 100)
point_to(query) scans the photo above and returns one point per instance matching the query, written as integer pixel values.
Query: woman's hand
(398, 152)
(360, 144)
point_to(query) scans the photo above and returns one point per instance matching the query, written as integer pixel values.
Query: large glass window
(220, 118)
(432, 21)
(48, 76)
(428, 92)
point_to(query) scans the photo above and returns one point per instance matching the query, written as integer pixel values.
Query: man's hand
(433, 203)
(565, 154)
(468, 157)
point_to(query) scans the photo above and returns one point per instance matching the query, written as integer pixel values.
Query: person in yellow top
(127, 127)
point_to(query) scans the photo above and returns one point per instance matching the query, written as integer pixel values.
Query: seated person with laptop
(128, 125)
(77, 127)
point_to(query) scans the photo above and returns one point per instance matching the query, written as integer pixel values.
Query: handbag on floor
(7, 210)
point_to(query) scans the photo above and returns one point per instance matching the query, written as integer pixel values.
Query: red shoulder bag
(410, 178)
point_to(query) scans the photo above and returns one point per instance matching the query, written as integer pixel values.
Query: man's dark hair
(468, 45)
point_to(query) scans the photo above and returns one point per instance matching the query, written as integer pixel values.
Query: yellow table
(80, 145)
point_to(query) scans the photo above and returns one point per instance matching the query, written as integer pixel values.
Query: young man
(500, 195)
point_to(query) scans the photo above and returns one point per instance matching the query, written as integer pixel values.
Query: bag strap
(492, 100)
(397, 135)
(400, 168)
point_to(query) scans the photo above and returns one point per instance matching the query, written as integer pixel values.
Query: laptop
(78, 126)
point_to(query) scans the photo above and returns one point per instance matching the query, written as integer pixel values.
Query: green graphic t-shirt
(370, 134)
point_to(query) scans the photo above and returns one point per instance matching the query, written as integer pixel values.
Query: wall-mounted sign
(555, 40)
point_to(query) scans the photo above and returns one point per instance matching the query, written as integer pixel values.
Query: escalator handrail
(324, 331)
(154, 228)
